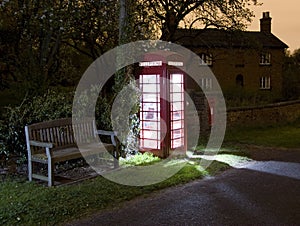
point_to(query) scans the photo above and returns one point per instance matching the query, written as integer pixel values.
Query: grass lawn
(287, 136)
(32, 204)
(27, 203)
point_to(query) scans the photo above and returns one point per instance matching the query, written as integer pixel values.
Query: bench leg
(50, 168)
(50, 173)
(116, 158)
(29, 169)
(116, 163)
(28, 154)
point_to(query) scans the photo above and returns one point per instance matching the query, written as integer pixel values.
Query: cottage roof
(218, 38)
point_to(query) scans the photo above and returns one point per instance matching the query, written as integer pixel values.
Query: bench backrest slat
(61, 132)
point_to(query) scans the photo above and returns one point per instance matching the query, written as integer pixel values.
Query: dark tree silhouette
(234, 14)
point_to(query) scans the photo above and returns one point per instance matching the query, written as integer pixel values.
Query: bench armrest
(45, 145)
(40, 144)
(108, 133)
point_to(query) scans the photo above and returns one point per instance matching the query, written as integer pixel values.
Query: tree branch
(154, 8)
(78, 49)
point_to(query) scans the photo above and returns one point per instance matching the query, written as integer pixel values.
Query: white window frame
(207, 59)
(265, 82)
(265, 58)
(206, 83)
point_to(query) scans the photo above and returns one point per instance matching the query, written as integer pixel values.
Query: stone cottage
(248, 60)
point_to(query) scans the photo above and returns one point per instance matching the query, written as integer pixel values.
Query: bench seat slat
(71, 153)
(74, 153)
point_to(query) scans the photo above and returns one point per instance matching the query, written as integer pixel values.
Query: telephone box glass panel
(150, 111)
(177, 110)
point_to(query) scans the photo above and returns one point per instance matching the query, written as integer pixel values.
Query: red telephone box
(162, 107)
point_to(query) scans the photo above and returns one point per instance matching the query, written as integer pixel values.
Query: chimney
(265, 23)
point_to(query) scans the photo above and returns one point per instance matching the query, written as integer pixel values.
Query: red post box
(211, 111)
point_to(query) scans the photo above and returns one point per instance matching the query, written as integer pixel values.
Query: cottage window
(265, 59)
(207, 59)
(265, 83)
(206, 83)
(239, 80)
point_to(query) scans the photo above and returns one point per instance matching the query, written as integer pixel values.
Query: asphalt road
(259, 193)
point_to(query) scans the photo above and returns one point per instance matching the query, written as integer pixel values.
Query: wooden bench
(54, 141)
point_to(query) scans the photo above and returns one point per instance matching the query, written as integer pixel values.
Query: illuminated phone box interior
(162, 107)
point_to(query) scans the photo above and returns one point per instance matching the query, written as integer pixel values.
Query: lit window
(265, 59)
(265, 83)
(206, 83)
(207, 59)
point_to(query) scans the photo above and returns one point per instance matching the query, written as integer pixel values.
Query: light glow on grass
(230, 159)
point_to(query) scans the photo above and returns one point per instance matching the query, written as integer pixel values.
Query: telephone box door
(162, 108)
(150, 119)
(177, 107)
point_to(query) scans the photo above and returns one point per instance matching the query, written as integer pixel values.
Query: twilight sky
(285, 20)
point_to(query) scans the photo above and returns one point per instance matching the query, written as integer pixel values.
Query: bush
(102, 110)
(51, 105)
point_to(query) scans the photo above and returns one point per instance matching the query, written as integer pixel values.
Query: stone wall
(202, 118)
(265, 115)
